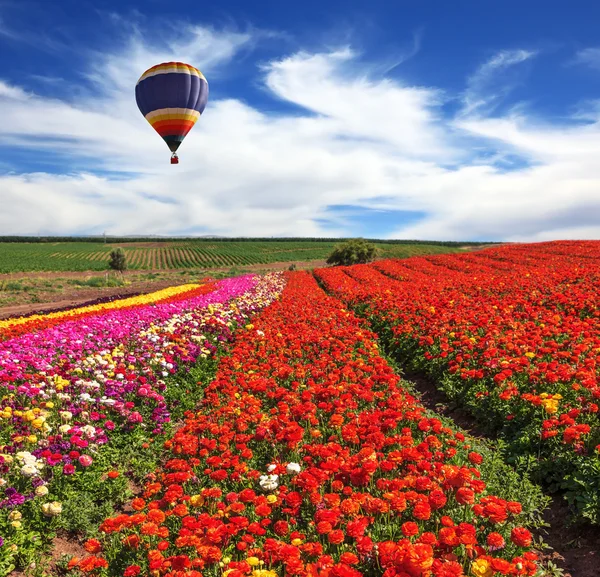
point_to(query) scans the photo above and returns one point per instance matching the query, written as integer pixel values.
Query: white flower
(268, 482)
(26, 457)
(29, 470)
(271, 468)
(89, 431)
(293, 468)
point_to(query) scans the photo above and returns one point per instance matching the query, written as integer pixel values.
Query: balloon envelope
(172, 96)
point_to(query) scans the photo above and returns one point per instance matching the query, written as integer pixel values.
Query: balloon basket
(174, 159)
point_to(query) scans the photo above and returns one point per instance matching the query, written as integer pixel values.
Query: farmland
(259, 425)
(189, 254)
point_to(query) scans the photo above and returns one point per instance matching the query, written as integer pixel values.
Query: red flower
(521, 537)
(336, 537)
(410, 528)
(495, 541)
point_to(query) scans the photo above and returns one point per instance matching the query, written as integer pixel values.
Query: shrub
(354, 251)
(117, 260)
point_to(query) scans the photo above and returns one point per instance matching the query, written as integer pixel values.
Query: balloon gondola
(172, 96)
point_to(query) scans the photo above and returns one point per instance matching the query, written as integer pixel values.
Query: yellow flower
(550, 405)
(15, 516)
(296, 542)
(271, 499)
(16, 524)
(263, 573)
(41, 491)
(253, 561)
(530, 355)
(38, 423)
(196, 500)
(52, 509)
(32, 438)
(250, 326)
(482, 568)
(139, 300)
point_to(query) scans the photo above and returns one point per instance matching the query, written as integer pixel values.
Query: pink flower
(135, 417)
(68, 469)
(85, 460)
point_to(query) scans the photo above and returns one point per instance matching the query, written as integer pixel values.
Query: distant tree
(117, 260)
(353, 251)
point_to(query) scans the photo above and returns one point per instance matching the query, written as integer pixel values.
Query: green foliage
(189, 255)
(355, 251)
(117, 260)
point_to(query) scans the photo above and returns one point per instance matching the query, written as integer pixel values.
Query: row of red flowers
(513, 333)
(308, 457)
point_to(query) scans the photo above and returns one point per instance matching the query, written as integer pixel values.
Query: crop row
(79, 390)
(307, 457)
(15, 257)
(511, 333)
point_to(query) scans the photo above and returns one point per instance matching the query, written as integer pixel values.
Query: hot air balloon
(172, 96)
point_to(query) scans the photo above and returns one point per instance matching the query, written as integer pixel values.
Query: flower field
(69, 388)
(253, 426)
(307, 457)
(511, 333)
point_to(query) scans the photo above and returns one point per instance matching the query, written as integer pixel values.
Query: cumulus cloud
(352, 139)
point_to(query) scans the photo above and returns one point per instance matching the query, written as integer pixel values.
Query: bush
(354, 251)
(117, 260)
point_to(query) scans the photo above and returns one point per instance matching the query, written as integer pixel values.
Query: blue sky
(467, 120)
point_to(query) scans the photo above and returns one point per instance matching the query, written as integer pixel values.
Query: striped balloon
(172, 96)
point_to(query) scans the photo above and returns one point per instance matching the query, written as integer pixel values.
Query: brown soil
(579, 544)
(574, 548)
(65, 545)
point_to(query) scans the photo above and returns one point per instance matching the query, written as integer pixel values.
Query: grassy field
(187, 254)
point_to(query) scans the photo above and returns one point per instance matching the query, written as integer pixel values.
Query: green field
(184, 254)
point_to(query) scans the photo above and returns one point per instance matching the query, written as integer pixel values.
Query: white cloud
(11, 92)
(588, 56)
(489, 83)
(352, 140)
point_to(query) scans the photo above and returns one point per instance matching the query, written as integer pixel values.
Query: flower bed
(70, 388)
(14, 327)
(511, 333)
(307, 457)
